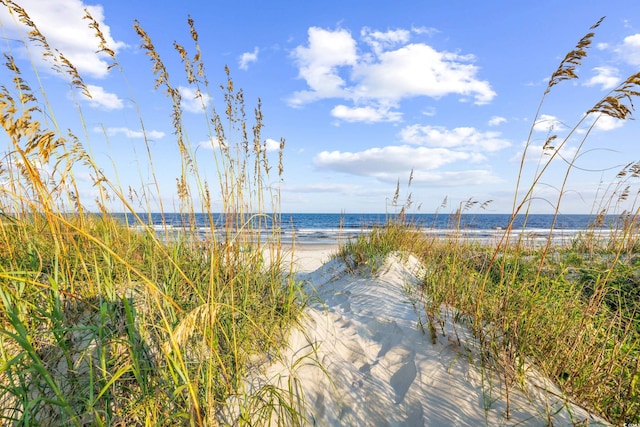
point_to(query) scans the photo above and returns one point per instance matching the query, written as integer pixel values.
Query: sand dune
(360, 358)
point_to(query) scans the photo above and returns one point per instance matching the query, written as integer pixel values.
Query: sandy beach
(309, 257)
(361, 357)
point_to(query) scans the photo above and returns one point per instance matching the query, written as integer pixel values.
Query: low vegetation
(572, 310)
(104, 322)
(573, 315)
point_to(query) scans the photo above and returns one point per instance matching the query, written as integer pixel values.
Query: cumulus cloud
(381, 41)
(387, 163)
(130, 133)
(390, 160)
(602, 122)
(432, 152)
(420, 70)
(104, 100)
(537, 151)
(463, 138)
(629, 50)
(424, 30)
(271, 144)
(607, 123)
(496, 121)
(247, 58)
(209, 144)
(193, 100)
(548, 123)
(212, 143)
(62, 23)
(605, 77)
(383, 69)
(456, 178)
(324, 187)
(429, 111)
(368, 114)
(319, 62)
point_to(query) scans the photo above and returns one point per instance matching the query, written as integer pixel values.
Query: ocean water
(327, 228)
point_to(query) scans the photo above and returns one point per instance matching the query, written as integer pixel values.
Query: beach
(361, 355)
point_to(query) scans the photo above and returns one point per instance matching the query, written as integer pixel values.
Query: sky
(366, 94)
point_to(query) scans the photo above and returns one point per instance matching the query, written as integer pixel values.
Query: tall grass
(570, 310)
(103, 325)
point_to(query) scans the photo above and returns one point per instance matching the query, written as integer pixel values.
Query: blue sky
(362, 91)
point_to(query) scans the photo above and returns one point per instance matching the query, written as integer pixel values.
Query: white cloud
(318, 63)
(542, 82)
(420, 70)
(130, 133)
(247, 58)
(62, 23)
(271, 144)
(380, 41)
(548, 123)
(600, 122)
(104, 100)
(606, 77)
(427, 150)
(334, 66)
(193, 100)
(424, 30)
(496, 121)
(208, 144)
(629, 50)
(466, 138)
(211, 144)
(369, 114)
(607, 123)
(455, 178)
(388, 163)
(391, 160)
(536, 152)
(323, 187)
(429, 111)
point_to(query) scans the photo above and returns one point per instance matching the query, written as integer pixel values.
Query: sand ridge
(361, 357)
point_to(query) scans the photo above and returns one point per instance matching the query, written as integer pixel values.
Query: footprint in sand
(387, 340)
(355, 352)
(345, 306)
(415, 416)
(403, 378)
(365, 369)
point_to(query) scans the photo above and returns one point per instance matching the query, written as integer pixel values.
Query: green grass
(578, 324)
(104, 325)
(570, 309)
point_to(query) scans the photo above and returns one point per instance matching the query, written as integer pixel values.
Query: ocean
(331, 228)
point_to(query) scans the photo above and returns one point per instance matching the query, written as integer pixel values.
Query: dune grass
(573, 315)
(570, 309)
(102, 323)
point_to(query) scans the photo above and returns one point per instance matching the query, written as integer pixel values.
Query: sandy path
(360, 358)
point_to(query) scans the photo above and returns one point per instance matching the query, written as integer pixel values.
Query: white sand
(361, 359)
